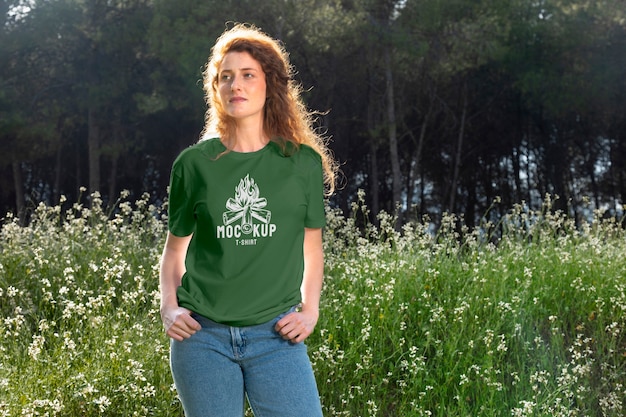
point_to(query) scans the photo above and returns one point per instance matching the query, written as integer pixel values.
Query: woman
(242, 268)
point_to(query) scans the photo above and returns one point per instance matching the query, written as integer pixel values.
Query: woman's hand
(297, 326)
(178, 323)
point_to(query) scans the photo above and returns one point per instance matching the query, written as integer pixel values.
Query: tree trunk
(392, 131)
(113, 179)
(93, 145)
(515, 161)
(459, 153)
(616, 175)
(18, 183)
(56, 188)
(531, 176)
(415, 167)
(516, 151)
(78, 156)
(374, 179)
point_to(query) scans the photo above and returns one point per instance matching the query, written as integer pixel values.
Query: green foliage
(522, 317)
(540, 84)
(451, 324)
(80, 328)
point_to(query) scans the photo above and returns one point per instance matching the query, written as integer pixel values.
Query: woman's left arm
(297, 326)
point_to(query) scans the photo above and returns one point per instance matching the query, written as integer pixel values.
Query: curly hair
(287, 121)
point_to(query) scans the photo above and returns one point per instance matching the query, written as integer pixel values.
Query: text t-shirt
(247, 213)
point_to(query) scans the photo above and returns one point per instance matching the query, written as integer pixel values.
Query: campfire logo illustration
(246, 216)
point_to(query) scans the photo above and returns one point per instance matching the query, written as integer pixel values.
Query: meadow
(523, 315)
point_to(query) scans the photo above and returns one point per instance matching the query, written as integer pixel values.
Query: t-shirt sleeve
(315, 216)
(181, 218)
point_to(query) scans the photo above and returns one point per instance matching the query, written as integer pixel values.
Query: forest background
(431, 106)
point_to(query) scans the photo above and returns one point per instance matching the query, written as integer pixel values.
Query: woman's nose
(235, 84)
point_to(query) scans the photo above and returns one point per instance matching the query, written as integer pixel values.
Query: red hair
(286, 119)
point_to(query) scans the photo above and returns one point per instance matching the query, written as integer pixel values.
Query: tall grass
(524, 317)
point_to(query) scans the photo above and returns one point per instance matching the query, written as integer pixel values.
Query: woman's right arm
(177, 321)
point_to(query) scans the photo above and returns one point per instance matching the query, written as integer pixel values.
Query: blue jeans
(218, 366)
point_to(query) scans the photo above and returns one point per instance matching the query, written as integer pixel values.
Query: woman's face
(241, 86)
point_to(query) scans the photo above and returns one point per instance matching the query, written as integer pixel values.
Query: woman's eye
(225, 77)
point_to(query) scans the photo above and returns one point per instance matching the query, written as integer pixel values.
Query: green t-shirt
(247, 213)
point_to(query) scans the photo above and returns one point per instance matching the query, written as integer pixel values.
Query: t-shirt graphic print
(246, 218)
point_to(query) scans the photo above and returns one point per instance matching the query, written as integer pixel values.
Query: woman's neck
(249, 139)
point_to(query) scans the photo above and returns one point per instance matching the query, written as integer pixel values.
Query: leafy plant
(524, 316)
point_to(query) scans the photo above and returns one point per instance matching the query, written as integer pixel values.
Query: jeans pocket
(204, 322)
(281, 315)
